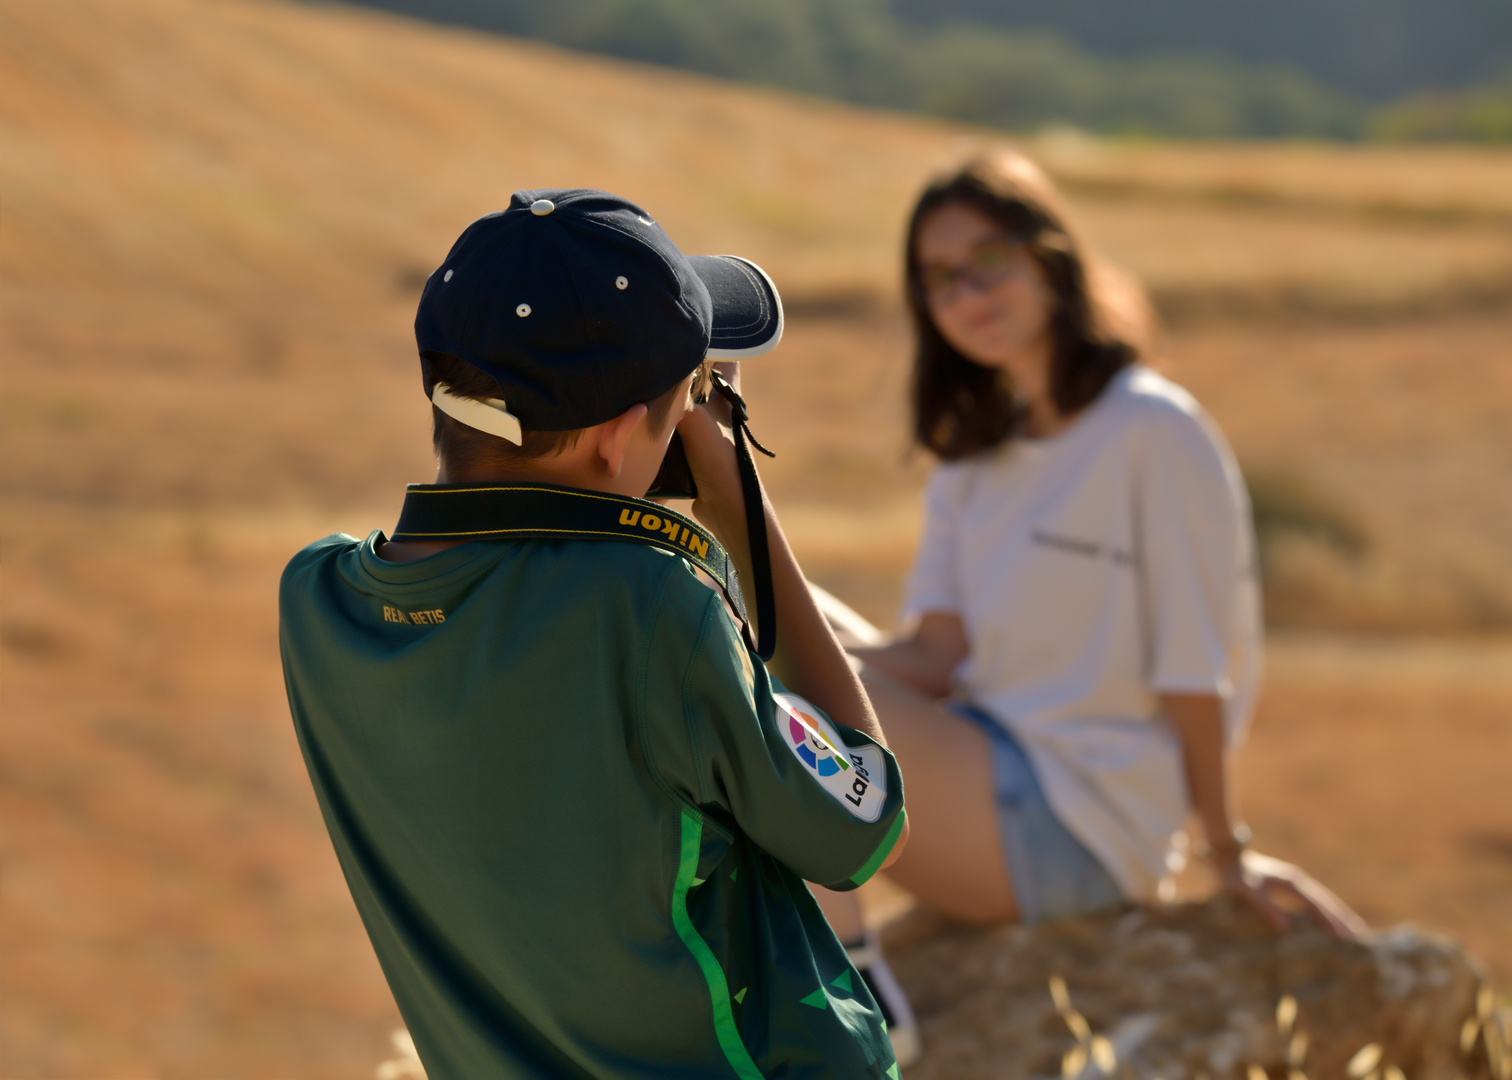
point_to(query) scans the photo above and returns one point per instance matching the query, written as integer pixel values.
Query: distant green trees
(1381, 50)
(1024, 81)
(1480, 114)
(860, 51)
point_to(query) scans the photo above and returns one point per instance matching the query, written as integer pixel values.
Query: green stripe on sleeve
(735, 1051)
(884, 849)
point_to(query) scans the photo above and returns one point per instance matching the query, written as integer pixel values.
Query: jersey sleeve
(1197, 554)
(822, 798)
(934, 584)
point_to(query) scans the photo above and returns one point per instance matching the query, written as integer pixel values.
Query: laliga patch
(855, 775)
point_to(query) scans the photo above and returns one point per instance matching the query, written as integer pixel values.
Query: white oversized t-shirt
(1094, 570)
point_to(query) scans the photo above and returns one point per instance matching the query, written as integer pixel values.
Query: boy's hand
(730, 369)
(808, 660)
(720, 505)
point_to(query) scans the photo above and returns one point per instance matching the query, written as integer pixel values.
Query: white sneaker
(902, 1028)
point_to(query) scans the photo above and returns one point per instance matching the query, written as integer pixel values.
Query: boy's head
(565, 310)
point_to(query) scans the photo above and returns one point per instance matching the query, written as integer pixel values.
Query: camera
(674, 480)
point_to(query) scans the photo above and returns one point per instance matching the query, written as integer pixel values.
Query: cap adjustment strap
(491, 415)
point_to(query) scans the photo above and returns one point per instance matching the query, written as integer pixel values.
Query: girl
(1082, 642)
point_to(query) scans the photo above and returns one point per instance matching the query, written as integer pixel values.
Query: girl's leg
(954, 860)
(843, 911)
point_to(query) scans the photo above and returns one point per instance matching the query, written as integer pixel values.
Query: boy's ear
(614, 436)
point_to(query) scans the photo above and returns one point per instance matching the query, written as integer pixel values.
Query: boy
(574, 810)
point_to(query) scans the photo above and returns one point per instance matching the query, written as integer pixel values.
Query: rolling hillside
(1339, 69)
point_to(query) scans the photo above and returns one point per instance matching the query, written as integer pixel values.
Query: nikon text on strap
(440, 512)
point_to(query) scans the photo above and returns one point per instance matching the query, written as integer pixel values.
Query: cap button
(542, 207)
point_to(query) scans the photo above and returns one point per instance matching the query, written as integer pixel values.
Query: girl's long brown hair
(1099, 324)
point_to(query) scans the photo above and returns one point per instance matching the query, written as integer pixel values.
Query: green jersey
(577, 815)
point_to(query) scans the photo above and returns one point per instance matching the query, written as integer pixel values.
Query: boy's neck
(557, 469)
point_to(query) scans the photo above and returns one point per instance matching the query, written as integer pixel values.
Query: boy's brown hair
(467, 448)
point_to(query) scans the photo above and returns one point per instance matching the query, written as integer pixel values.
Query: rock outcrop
(1194, 990)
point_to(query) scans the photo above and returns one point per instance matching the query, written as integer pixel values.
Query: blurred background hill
(1378, 49)
(215, 218)
(1392, 69)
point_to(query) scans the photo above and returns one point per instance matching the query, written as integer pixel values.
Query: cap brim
(747, 309)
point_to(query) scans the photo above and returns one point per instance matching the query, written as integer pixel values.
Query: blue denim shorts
(1054, 875)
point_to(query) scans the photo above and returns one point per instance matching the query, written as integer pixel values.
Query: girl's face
(985, 291)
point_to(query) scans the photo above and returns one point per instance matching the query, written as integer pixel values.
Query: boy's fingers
(711, 457)
(717, 403)
(705, 440)
(697, 421)
(730, 369)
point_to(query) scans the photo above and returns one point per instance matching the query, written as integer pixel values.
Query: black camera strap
(755, 508)
(533, 511)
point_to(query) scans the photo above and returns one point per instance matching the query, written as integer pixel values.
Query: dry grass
(1394, 182)
(213, 221)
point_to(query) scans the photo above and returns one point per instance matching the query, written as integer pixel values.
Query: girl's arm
(925, 659)
(1197, 561)
(1276, 889)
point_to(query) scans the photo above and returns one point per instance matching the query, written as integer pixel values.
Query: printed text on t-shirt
(1090, 548)
(432, 617)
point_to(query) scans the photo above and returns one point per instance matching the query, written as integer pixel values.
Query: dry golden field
(214, 219)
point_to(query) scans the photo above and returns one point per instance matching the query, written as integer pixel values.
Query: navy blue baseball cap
(580, 306)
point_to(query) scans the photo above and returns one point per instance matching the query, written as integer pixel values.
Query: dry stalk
(407, 1065)
(1469, 1031)
(1074, 1061)
(1364, 1062)
(1103, 1056)
(1286, 1015)
(1296, 1050)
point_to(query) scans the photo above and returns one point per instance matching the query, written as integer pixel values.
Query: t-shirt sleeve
(1196, 549)
(934, 584)
(822, 798)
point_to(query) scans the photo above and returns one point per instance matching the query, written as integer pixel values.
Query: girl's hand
(925, 659)
(1283, 893)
